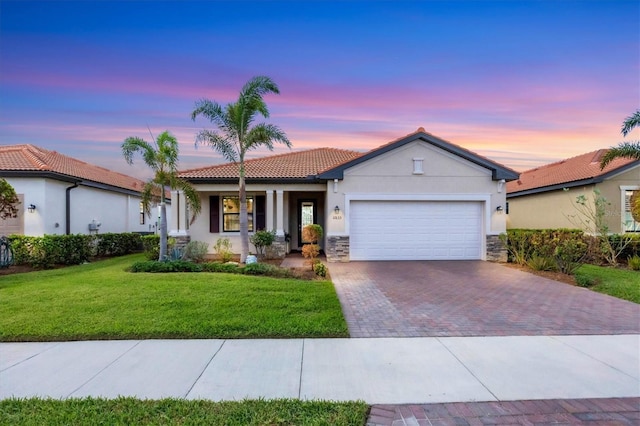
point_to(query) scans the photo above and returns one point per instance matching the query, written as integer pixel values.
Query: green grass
(621, 283)
(103, 301)
(129, 411)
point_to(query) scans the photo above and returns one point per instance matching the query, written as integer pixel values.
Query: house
(545, 197)
(63, 195)
(415, 198)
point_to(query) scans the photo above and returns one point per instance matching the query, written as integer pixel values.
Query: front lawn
(621, 283)
(102, 301)
(130, 411)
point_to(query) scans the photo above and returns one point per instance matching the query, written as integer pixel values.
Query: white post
(178, 214)
(269, 212)
(280, 213)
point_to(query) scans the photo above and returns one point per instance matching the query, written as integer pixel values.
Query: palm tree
(624, 149)
(235, 135)
(162, 158)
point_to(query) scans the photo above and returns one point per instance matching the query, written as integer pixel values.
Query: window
(231, 214)
(418, 166)
(630, 225)
(142, 214)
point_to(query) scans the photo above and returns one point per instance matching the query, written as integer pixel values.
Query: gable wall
(445, 176)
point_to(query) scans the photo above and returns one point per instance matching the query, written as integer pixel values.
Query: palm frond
(149, 195)
(630, 123)
(132, 145)
(219, 143)
(167, 153)
(210, 110)
(264, 134)
(623, 150)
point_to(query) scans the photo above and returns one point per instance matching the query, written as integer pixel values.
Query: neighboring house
(545, 197)
(418, 197)
(63, 195)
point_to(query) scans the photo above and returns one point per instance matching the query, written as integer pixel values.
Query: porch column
(178, 209)
(269, 212)
(279, 213)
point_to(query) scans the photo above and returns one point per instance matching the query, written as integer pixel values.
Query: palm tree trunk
(163, 231)
(244, 219)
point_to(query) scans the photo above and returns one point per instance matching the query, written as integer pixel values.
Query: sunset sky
(521, 82)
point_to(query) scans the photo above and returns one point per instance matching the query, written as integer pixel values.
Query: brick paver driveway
(470, 298)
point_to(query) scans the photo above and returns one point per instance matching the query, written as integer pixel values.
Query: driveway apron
(470, 298)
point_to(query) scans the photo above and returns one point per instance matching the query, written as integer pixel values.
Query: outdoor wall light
(499, 209)
(31, 208)
(336, 210)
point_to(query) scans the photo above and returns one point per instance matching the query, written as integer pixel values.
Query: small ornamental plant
(311, 233)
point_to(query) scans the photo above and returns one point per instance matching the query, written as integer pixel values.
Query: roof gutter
(68, 207)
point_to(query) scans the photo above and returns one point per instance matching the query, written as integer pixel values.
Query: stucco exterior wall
(117, 212)
(555, 209)
(446, 177)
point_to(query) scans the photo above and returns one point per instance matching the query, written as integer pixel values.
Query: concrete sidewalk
(378, 371)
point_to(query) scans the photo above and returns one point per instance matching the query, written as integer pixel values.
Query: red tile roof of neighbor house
(30, 158)
(575, 169)
(292, 165)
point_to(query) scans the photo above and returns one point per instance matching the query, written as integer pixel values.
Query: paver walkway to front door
(470, 298)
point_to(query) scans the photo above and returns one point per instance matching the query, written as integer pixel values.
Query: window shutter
(214, 214)
(260, 218)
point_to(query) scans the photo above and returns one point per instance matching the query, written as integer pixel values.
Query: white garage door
(415, 230)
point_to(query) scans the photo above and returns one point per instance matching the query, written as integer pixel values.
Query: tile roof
(292, 165)
(30, 158)
(575, 169)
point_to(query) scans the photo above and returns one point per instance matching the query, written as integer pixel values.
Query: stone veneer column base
(337, 249)
(496, 250)
(181, 241)
(277, 249)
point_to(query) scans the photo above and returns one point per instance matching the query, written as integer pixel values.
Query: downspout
(68, 205)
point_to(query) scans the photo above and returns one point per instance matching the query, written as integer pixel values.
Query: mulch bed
(556, 276)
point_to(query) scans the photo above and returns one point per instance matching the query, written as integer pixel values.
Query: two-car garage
(415, 230)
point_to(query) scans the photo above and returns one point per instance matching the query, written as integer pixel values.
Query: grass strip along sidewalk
(130, 411)
(103, 301)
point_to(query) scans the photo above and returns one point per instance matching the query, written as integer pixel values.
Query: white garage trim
(416, 230)
(486, 198)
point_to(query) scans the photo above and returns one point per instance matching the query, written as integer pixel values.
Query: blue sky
(522, 82)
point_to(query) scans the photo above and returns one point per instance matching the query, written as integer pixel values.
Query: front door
(307, 215)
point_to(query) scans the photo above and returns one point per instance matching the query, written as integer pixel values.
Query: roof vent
(421, 129)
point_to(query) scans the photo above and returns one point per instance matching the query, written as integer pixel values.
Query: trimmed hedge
(50, 250)
(264, 269)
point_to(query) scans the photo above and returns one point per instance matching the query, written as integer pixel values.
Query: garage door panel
(420, 230)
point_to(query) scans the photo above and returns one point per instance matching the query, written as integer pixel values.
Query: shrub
(261, 240)
(259, 269)
(170, 266)
(151, 246)
(542, 263)
(44, 252)
(320, 269)
(311, 251)
(267, 270)
(523, 244)
(223, 249)
(312, 233)
(113, 244)
(196, 251)
(569, 255)
(229, 268)
(634, 263)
